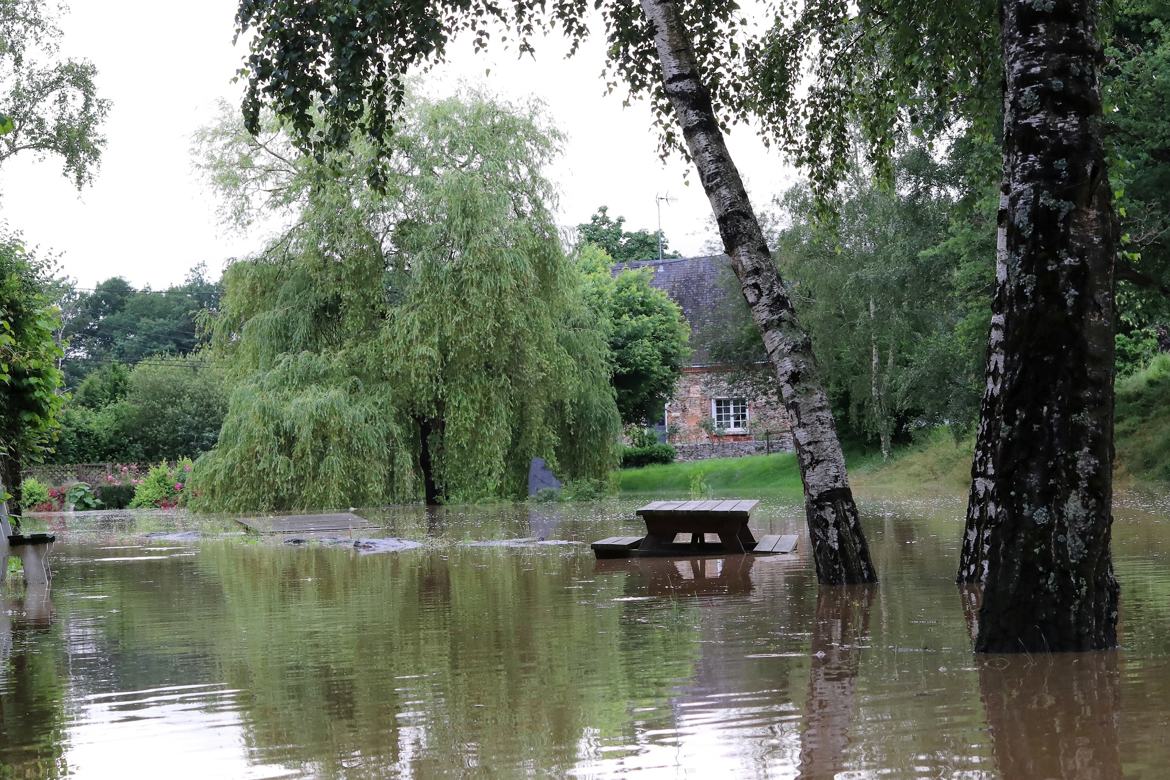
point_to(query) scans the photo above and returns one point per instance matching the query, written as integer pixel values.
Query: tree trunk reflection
(840, 628)
(1053, 715)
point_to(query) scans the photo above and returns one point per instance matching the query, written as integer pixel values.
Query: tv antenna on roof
(658, 201)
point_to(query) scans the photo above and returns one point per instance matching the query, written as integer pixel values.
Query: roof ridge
(666, 260)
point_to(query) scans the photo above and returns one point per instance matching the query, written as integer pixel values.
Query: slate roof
(701, 287)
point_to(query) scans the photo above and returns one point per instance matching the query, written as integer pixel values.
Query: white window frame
(731, 400)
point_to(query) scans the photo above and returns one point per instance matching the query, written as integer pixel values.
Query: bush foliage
(163, 487)
(34, 495)
(636, 457)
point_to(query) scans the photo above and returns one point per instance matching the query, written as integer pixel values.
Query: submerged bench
(33, 550)
(727, 519)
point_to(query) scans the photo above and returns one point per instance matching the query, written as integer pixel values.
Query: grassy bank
(939, 463)
(1142, 430)
(754, 476)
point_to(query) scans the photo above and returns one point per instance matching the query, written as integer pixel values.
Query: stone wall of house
(733, 449)
(689, 419)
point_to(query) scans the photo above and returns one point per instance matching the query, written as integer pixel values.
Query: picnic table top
(733, 507)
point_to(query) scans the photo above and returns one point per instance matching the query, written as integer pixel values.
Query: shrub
(546, 495)
(633, 457)
(640, 437)
(34, 496)
(586, 490)
(115, 496)
(163, 486)
(80, 495)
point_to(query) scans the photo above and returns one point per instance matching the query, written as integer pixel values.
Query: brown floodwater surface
(494, 650)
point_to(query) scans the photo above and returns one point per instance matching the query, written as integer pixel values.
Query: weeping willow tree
(423, 339)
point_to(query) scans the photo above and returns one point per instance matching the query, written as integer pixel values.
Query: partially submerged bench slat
(776, 543)
(616, 546)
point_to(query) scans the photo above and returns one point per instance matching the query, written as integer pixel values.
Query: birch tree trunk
(981, 500)
(839, 547)
(1049, 582)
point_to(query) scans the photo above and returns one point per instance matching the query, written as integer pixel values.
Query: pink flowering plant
(163, 486)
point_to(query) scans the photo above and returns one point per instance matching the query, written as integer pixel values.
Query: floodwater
(228, 657)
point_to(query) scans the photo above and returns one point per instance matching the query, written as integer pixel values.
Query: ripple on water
(224, 659)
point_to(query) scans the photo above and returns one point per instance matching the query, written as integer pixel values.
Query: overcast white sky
(149, 217)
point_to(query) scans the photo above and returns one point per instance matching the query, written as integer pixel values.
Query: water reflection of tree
(1050, 715)
(840, 628)
(436, 662)
(1053, 715)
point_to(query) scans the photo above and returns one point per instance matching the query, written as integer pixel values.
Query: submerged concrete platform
(305, 524)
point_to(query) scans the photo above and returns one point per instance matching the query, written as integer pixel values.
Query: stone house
(715, 412)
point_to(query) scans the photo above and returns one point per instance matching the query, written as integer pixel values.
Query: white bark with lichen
(839, 547)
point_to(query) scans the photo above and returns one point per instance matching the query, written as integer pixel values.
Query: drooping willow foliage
(430, 337)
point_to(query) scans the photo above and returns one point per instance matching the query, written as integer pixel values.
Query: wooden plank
(786, 544)
(745, 506)
(708, 506)
(726, 506)
(653, 505)
(766, 543)
(616, 546)
(776, 543)
(298, 524)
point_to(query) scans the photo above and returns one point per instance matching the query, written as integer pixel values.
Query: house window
(730, 414)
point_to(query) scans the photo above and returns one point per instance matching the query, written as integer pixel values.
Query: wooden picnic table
(728, 519)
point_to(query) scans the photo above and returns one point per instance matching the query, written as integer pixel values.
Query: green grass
(1142, 427)
(749, 477)
(938, 463)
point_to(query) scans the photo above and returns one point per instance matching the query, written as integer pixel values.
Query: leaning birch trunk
(839, 547)
(1049, 583)
(981, 500)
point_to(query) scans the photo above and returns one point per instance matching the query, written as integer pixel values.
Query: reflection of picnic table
(726, 519)
(690, 576)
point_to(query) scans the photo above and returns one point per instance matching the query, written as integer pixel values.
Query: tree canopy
(115, 323)
(621, 245)
(646, 332)
(162, 408)
(49, 104)
(428, 337)
(341, 68)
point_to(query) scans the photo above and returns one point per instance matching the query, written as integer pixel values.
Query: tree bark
(877, 382)
(981, 500)
(425, 464)
(1049, 576)
(839, 547)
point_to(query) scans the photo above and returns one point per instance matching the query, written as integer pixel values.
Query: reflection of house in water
(713, 413)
